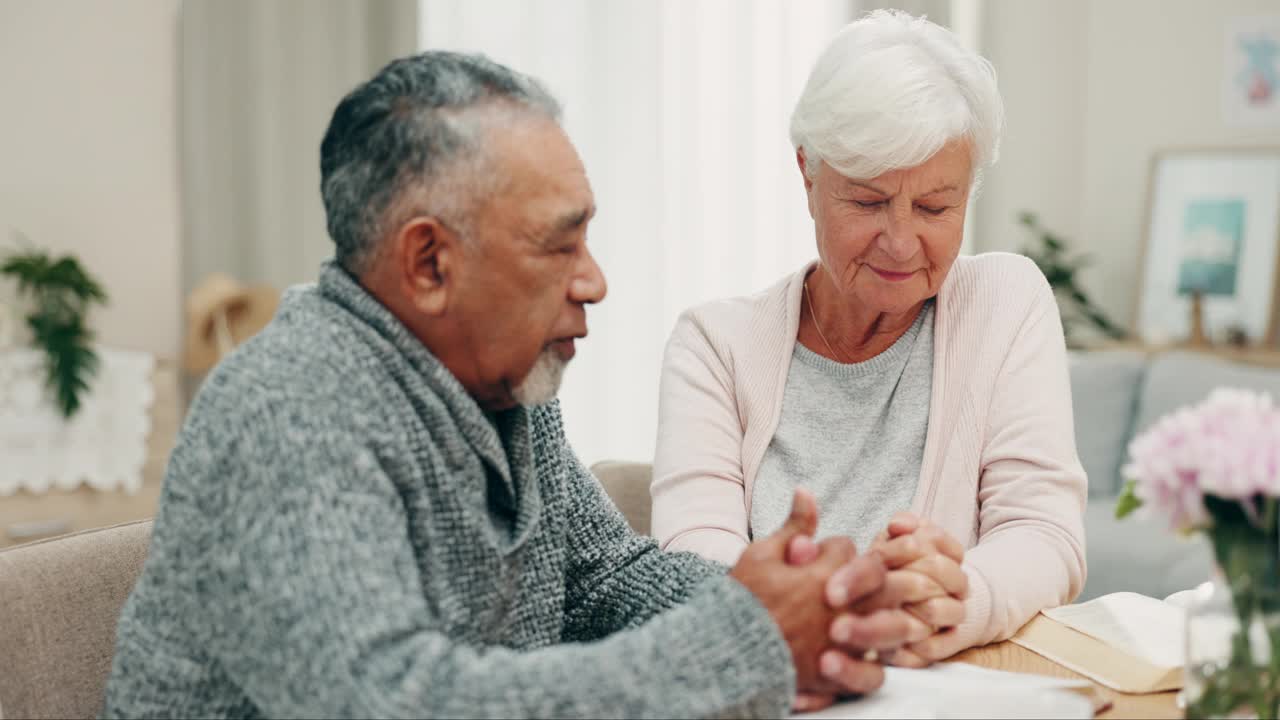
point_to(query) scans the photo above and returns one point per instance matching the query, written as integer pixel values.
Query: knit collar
(512, 459)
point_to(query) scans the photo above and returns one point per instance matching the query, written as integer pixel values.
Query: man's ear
(426, 254)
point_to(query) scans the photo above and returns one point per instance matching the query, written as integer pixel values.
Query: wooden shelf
(1255, 355)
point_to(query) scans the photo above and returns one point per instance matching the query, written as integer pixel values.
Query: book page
(960, 690)
(1137, 625)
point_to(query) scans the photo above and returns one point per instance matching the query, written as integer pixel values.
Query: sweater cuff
(974, 630)
(746, 643)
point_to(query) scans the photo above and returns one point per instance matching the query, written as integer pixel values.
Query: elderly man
(372, 509)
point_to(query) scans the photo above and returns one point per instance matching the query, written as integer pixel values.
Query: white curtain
(680, 110)
(259, 83)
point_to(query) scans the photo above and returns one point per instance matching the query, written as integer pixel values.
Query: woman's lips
(893, 276)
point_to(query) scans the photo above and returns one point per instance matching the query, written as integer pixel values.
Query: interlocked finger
(939, 612)
(851, 676)
(943, 570)
(901, 587)
(881, 630)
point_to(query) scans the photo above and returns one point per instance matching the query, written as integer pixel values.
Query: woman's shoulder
(743, 318)
(994, 285)
(1000, 267)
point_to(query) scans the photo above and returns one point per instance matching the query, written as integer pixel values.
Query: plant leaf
(1128, 501)
(62, 290)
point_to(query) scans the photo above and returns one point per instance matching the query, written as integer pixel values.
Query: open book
(1126, 641)
(959, 690)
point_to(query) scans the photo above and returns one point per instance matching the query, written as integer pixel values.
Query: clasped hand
(843, 614)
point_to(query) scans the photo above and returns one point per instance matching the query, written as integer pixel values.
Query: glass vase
(1233, 630)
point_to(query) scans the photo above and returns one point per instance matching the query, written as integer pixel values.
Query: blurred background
(171, 150)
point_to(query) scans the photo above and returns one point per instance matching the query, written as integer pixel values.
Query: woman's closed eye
(933, 210)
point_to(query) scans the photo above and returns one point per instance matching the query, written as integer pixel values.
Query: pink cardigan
(1000, 471)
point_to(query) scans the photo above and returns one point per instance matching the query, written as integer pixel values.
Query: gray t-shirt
(853, 434)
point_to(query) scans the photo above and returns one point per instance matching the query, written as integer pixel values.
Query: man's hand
(827, 646)
(926, 579)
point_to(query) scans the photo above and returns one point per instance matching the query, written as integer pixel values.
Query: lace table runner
(104, 445)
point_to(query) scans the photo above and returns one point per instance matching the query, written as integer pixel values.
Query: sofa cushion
(1139, 554)
(1177, 379)
(1104, 392)
(59, 602)
(627, 484)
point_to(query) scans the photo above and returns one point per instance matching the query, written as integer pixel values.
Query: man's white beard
(543, 381)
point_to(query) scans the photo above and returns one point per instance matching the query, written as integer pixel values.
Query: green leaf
(62, 290)
(1128, 501)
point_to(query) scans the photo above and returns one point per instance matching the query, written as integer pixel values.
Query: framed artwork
(1213, 228)
(1251, 84)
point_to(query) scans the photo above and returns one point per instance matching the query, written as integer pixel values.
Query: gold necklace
(808, 297)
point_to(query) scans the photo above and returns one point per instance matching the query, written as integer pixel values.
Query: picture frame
(1213, 229)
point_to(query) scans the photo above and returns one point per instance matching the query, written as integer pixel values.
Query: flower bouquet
(1215, 469)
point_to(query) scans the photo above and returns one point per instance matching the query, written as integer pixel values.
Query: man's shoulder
(308, 375)
(309, 351)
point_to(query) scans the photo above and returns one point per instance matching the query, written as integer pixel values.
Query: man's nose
(588, 284)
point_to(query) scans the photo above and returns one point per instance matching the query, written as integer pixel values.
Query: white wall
(89, 154)
(1037, 47)
(1093, 90)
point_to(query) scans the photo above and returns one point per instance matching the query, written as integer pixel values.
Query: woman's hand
(926, 578)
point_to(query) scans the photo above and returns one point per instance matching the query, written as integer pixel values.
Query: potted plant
(61, 293)
(1050, 254)
(1215, 469)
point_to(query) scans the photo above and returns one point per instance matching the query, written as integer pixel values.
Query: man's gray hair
(410, 129)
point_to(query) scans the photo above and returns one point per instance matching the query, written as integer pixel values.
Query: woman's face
(889, 241)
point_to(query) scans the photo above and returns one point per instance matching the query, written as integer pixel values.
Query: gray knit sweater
(344, 533)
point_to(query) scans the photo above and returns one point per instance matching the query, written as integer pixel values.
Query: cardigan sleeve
(699, 497)
(1030, 551)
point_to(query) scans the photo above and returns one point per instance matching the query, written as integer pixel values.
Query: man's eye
(869, 203)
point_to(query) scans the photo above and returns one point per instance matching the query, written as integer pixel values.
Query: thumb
(803, 519)
(802, 550)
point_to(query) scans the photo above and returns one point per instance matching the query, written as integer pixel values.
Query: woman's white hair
(889, 92)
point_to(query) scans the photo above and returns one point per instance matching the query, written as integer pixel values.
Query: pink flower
(1228, 446)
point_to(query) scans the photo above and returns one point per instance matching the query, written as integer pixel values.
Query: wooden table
(1015, 658)
(27, 516)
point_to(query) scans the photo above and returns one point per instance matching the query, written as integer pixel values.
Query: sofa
(1116, 395)
(61, 598)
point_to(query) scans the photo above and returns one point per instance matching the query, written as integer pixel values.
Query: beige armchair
(627, 484)
(59, 603)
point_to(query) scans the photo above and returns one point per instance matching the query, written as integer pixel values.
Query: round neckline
(887, 358)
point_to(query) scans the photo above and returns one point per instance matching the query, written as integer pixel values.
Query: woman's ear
(803, 163)
(426, 255)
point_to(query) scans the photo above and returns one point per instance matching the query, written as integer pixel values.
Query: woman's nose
(899, 239)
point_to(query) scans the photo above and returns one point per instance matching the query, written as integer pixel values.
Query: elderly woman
(923, 397)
